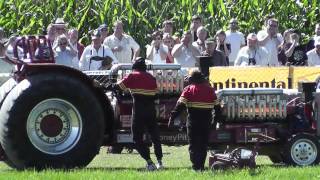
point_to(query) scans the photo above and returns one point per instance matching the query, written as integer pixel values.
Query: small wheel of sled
(247, 161)
(218, 165)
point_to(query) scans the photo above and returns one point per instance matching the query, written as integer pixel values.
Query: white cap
(252, 36)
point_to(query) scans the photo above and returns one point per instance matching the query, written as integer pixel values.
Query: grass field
(176, 159)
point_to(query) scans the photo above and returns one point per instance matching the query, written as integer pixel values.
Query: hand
(218, 42)
(117, 48)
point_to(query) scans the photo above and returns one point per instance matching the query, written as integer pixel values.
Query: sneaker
(159, 165)
(151, 167)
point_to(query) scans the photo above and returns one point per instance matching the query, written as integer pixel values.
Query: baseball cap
(103, 26)
(95, 34)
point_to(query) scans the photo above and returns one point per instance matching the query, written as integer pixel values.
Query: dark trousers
(198, 126)
(146, 121)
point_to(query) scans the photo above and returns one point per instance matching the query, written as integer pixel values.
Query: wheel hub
(304, 152)
(51, 125)
(54, 126)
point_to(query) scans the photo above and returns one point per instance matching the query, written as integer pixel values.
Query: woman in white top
(157, 52)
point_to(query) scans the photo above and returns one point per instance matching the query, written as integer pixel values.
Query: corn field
(144, 16)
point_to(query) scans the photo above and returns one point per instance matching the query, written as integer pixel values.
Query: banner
(249, 77)
(305, 74)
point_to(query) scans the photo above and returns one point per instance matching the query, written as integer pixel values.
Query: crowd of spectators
(226, 48)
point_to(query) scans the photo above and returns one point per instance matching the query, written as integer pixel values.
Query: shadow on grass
(140, 169)
(136, 153)
(258, 170)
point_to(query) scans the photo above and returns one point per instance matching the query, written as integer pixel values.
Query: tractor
(53, 116)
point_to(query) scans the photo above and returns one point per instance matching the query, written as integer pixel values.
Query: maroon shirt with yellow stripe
(139, 83)
(199, 96)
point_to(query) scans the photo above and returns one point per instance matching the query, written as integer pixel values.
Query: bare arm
(289, 52)
(176, 51)
(136, 54)
(149, 53)
(226, 50)
(264, 40)
(73, 51)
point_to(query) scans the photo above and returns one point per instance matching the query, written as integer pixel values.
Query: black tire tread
(33, 90)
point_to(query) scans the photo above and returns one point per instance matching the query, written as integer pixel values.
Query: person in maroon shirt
(143, 88)
(200, 99)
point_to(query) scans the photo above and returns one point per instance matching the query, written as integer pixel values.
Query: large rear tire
(4, 91)
(51, 121)
(6, 88)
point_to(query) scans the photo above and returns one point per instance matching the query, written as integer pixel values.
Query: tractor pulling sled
(54, 116)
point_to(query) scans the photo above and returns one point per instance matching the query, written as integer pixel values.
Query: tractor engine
(253, 104)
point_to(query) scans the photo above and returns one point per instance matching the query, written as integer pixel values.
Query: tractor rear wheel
(51, 120)
(6, 88)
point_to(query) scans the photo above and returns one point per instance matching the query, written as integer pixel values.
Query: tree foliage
(144, 16)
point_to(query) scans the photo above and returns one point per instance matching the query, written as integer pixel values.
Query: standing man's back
(143, 87)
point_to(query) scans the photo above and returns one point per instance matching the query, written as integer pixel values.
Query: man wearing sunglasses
(64, 53)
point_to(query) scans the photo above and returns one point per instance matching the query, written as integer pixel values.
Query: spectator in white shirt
(252, 54)
(157, 52)
(314, 54)
(310, 44)
(95, 49)
(122, 44)
(64, 53)
(185, 53)
(271, 39)
(236, 39)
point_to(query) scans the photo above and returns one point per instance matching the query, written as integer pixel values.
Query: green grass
(176, 159)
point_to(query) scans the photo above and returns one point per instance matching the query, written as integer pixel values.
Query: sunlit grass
(176, 159)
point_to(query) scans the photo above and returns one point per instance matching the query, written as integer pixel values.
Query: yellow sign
(249, 77)
(305, 74)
